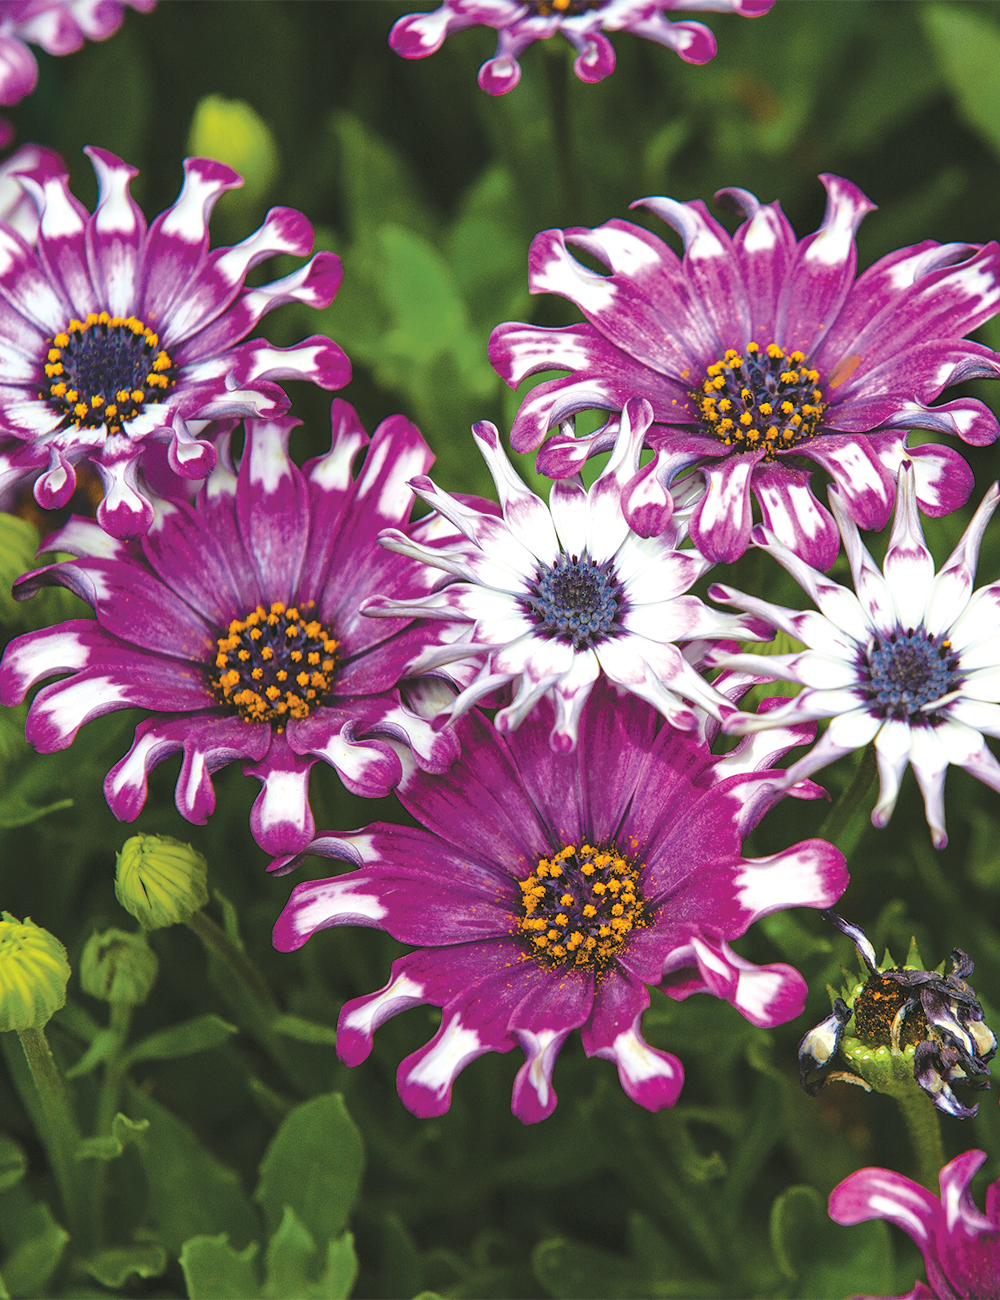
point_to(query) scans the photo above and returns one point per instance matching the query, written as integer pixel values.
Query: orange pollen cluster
(101, 370)
(274, 665)
(580, 905)
(765, 399)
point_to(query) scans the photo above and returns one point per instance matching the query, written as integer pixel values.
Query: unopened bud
(231, 132)
(34, 973)
(160, 880)
(118, 967)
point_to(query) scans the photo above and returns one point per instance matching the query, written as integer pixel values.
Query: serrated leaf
(313, 1164)
(190, 1192)
(305, 1031)
(113, 1268)
(967, 44)
(108, 1146)
(13, 1163)
(200, 1034)
(214, 1271)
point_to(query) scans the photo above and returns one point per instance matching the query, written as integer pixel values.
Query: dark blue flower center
(580, 905)
(274, 665)
(103, 369)
(576, 600)
(766, 399)
(906, 671)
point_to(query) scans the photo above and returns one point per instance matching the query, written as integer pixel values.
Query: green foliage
(823, 1260)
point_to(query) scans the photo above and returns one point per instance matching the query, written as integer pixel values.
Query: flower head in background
(762, 356)
(17, 208)
(582, 22)
(910, 1025)
(59, 27)
(546, 891)
(235, 622)
(113, 336)
(960, 1244)
(911, 662)
(556, 595)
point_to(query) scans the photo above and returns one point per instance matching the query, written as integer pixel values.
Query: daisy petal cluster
(519, 23)
(555, 596)
(908, 660)
(115, 337)
(235, 623)
(763, 358)
(960, 1244)
(543, 892)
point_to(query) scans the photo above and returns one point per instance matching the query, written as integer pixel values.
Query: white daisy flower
(911, 662)
(555, 595)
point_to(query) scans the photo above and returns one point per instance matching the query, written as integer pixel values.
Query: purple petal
(650, 1077)
(281, 819)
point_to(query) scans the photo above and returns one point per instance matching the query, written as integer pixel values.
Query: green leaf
(114, 1267)
(108, 1146)
(305, 1031)
(13, 1164)
(374, 180)
(190, 1193)
(568, 1269)
(824, 1260)
(197, 1035)
(291, 1254)
(313, 1164)
(341, 1270)
(34, 1241)
(214, 1271)
(967, 44)
(104, 1043)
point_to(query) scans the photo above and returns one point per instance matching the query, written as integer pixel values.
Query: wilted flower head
(909, 1025)
(762, 357)
(34, 973)
(909, 662)
(115, 337)
(960, 1244)
(520, 23)
(555, 596)
(544, 891)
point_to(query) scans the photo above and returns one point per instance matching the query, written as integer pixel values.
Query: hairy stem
(59, 1130)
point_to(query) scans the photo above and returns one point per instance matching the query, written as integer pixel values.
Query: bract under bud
(160, 880)
(34, 973)
(118, 967)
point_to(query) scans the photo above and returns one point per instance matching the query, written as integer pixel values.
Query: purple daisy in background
(911, 662)
(582, 22)
(554, 596)
(960, 1244)
(761, 354)
(113, 337)
(546, 891)
(59, 27)
(17, 209)
(236, 622)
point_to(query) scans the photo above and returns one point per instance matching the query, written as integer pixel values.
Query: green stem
(852, 800)
(557, 77)
(59, 1131)
(108, 1103)
(925, 1136)
(220, 945)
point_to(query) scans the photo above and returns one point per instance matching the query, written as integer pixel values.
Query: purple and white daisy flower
(544, 891)
(911, 662)
(761, 354)
(554, 596)
(235, 621)
(519, 23)
(960, 1244)
(113, 336)
(59, 27)
(16, 208)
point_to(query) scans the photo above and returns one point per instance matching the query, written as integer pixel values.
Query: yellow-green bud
(231, 132)
(34, 973)
(118, 967)
(160, 880)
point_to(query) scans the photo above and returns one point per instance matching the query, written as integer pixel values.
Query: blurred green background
(430, 191)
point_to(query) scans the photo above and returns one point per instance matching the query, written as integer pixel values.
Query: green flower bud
(118, 967)
(231, 132)
(34, 973)
(160, 880)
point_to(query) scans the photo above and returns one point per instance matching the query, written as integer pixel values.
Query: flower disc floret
(101, 370)
(762, 399)
(576, 600)
(580, 905)
(275, 664)
(908, 672)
